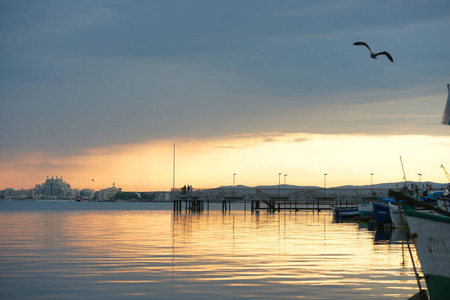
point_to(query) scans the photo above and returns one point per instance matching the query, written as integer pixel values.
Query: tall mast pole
(173, 174)
(404, 175)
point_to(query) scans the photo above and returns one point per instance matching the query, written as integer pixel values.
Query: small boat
(430, 232)
(382, 215)
(365, 209)
(395, 216)
(345, 212)
(431, 235)
(78, 199)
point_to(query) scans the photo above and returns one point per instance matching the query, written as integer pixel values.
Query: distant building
(57, 188)
(87, 194)
(9, 193)
(109, 193)
(53, 189)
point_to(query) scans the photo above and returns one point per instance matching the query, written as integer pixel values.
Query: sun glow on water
(152, 253)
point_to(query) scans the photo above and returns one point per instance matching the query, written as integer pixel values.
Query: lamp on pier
(234, 182)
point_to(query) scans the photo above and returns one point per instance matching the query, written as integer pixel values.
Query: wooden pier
(272, 199)
(192, 204)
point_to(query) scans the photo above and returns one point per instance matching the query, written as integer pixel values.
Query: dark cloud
(82, 74)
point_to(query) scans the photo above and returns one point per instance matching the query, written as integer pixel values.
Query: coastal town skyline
(103, 90)
(56, 186)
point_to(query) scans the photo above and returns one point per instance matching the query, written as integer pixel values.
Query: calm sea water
(88, 250)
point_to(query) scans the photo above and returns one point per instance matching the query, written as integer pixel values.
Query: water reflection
(155, 254)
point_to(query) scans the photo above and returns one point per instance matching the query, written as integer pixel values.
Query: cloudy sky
(104, 89)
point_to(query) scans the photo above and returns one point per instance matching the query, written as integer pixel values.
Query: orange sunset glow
(249, 88)
(257, 160)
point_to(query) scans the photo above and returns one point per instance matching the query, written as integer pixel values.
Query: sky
(99, 92)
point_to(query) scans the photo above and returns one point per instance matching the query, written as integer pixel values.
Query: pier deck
(277, 205)
(272, 199)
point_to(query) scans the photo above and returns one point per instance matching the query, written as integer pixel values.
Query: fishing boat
(382, 215)
(365, 209)
(395, 216)
(431, 235)
(430, 231)
(345, 212)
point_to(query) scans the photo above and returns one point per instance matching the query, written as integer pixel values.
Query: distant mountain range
(391, 185)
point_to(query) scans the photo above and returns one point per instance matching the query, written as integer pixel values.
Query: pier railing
(278, 194)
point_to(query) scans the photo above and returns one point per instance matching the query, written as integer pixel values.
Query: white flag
(446, 115)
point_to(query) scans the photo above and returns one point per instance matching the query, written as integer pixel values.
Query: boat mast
(404, 175)
(173, 173)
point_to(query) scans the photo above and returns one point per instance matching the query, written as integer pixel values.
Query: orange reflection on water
(264, 255)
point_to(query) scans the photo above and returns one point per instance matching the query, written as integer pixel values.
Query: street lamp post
(285, 175)
(234, 182)
(371, 181)
(420, 177)
(325, 182)
(279, 184)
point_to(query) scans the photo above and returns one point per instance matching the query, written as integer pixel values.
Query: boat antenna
(404, 175)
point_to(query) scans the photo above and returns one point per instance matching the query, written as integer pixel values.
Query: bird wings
(374, 55)
(362, 44)
(385, 53)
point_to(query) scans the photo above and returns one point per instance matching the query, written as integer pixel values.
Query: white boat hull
(345, 212)
(395, 216)
(431, 236)
(365, 209)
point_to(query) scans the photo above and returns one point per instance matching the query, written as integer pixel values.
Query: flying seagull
(374, 55)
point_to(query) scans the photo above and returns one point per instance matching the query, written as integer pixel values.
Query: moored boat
(381, 212)
(431, 235)
(430, 231)
(365, 209)
(345, 212)
(395, 216)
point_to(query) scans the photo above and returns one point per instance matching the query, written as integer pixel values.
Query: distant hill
(268, 187)
(391, 185)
